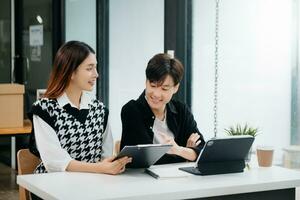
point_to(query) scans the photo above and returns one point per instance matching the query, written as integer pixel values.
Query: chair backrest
(27, 162)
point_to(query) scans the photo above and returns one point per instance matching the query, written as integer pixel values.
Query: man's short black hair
(161, 65)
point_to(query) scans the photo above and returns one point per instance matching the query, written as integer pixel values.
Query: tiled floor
(9, 187)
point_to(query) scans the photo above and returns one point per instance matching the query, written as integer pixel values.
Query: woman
(71, 129)
(155, 118)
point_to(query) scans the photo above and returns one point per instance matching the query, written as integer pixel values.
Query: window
(256, 59)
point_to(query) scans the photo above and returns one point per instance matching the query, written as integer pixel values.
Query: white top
(135, 184)
(161, 127)
(54, 157)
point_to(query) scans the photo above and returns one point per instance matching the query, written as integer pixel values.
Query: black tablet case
(143, 156)
(221, 156)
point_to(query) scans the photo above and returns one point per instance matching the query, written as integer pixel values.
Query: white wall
(136, 33)
(254, 67)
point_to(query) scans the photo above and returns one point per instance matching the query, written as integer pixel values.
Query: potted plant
(243, 130)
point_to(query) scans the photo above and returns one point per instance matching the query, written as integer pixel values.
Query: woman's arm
(107, 145)
(56, 159)
(106, 166)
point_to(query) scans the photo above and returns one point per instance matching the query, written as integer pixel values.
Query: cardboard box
(11, 105)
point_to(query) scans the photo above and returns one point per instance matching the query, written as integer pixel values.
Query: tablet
(145, 155)
(227, 148)
(222, 155)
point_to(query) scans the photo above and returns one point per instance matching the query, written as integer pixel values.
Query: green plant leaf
(242, 130)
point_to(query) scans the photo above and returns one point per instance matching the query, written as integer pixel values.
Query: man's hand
(170, 140)
(193, 140)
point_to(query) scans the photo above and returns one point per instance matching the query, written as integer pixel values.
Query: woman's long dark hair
(67, 59)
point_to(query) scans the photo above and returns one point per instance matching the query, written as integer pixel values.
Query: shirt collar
(84, 101)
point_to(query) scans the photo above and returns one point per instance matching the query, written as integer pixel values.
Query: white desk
(134, 184)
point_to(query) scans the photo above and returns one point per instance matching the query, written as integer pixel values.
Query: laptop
(222, 155)
(145, 155)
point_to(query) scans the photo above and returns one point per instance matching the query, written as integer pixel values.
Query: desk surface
(26, 129)
(134, 184)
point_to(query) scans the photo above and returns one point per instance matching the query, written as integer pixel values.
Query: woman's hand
(108, 166)
(193, 140)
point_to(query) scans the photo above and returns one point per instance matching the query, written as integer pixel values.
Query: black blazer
(138, 119)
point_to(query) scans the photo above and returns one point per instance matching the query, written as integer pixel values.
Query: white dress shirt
(54, 157)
